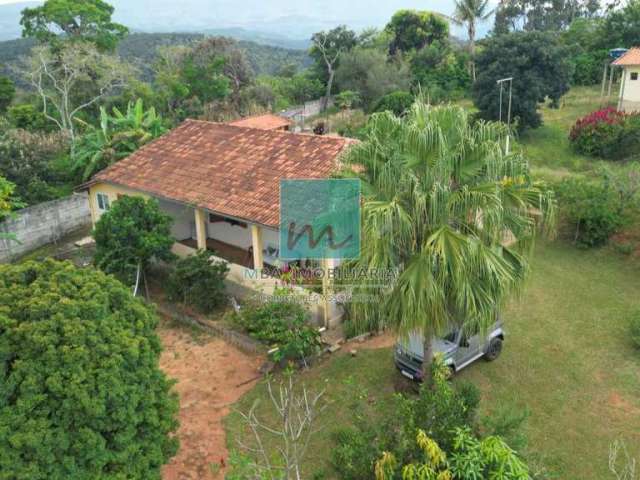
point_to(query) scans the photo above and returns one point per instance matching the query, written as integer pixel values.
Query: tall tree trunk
(327, 96)
(427, 360)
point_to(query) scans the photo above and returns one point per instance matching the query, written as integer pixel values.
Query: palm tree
(450, 213)
(470, 12)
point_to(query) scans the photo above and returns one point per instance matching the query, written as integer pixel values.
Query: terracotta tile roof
(230, 170)
(631, 57)
(264, 122)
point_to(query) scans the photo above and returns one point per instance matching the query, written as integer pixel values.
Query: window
(103, 201)
(634, 75)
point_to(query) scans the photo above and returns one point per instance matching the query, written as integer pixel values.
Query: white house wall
(183, 226)
(231, 234)
(631, 94)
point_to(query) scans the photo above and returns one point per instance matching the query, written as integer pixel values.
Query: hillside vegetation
(141, 50)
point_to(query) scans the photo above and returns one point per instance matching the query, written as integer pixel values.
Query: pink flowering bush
(608, 134)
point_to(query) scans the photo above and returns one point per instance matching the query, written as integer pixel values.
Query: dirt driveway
(211, 376)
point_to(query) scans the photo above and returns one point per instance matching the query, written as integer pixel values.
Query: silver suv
(459, 348)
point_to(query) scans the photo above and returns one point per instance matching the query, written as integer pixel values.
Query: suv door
(469, 345)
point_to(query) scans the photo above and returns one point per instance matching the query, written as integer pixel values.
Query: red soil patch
(211, 375)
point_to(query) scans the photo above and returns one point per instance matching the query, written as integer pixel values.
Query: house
(629, 99)
(220, 184)
(264, 122)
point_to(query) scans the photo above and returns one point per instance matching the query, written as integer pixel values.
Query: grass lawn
(548, 147)
(567, 359)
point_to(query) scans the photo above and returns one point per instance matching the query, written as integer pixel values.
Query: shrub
(282, 324)
(591, 209)
(395, 102)
(131, 234)
(82, 395)
(27, 117)
(608, 134)
(197, 280)
(635, 328)
(439, 409)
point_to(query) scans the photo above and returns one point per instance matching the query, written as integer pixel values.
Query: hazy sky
(263, 14)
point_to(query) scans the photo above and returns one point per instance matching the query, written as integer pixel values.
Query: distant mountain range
(274, 22)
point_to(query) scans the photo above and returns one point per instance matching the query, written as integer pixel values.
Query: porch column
(256, 241)
(201, 228)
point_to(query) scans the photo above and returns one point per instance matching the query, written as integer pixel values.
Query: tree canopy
(81, 392)
(539, 67)
(7, 92)
(413, 30)
(371, 74)
(86, 20)
(129, 235)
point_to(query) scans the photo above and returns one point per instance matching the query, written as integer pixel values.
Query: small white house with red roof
(629, 99)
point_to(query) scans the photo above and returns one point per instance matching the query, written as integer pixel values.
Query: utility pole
(501, 83)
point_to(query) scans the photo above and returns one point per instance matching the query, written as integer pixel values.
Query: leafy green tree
(450, 213)
(586, 51)
(85, 20)
(8, 203)
(236, 66)
(397, 103)
(540, 70)
(372, 74)
(27, 117)
(621, 27)
(470, 12)
(34, 162)
(441, 72)
(326, 50)
(7, 92)
(541, 15)
(82, 395)
(413, 30)
(117, 136)
(187, 79)
(198, 280)
(131, 234)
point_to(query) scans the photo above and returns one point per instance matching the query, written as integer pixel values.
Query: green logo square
(319, 219)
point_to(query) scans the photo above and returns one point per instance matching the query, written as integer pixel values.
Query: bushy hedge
(607, 134)
(197, 280)
(591, 209)
(81, 392)
(281, 323)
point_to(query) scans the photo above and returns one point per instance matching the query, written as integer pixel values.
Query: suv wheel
(494, 349)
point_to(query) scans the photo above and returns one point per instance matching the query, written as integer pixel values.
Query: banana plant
(117, 136)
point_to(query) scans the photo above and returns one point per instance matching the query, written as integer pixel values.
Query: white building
(629, 99)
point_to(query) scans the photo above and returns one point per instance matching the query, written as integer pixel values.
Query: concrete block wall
(44, 223)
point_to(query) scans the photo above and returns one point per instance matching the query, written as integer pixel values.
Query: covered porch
(250, 250)
(235, 240)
